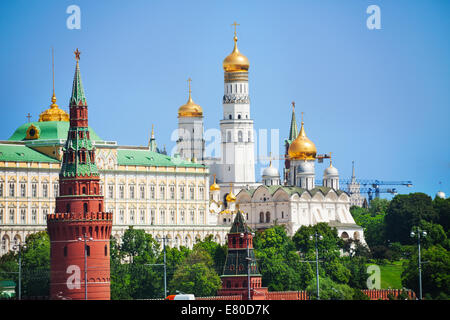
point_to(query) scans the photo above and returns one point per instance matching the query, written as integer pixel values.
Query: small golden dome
(214, 186)
(54, 113)
(235, 61)
(190, 109)
(230, 196)
(302, 148)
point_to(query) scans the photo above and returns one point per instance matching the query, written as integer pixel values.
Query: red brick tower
(80, 229)
(240, 266)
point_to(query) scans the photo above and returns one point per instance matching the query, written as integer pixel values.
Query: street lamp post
(424, 234)
(317, 237)
(85, 239)
(164, 239)
(248, 262)
(20, 247)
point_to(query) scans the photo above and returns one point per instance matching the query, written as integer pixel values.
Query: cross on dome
(235, 25)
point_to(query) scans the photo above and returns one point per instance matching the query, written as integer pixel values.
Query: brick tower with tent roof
(240, 266)
(80, 228)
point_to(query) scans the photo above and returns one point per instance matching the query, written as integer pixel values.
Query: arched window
(229, 116)
(267, 216)
(229, 136)
(239, 116)
(85, 207)
(84, 190)
(240, 138)
(67, 207)
(261, 217)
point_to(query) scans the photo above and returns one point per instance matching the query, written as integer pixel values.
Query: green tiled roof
(150, 158)
(22, 153)
(77, 97)
(239, 224)
(48, 130)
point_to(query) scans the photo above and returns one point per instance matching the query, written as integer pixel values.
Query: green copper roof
(22, 153)
(77, 96)
(48, 130)
(150, 158)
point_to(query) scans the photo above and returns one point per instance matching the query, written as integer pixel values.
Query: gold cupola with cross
(302, 148)
(190, 108)
(235, 61)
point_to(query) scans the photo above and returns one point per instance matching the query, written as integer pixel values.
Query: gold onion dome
(190, 109)
(236, 61)
(214, 186)
(230, 196)
(302, 148)
(54, 113)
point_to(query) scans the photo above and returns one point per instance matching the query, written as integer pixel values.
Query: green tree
(329, 250)
(435, 234)
(36, 265)
(216, 251)
(378, 206)
(196, 275)
(132, 273)
(329, 247)
(435, 272)
(406, 211)
(372, 221)
(175, 257)
(330, 290)
(279, 262)
(442, 207)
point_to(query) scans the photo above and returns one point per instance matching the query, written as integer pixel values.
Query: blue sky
(378, 97)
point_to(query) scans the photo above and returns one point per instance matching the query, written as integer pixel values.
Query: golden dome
(54, 113)
(190, 109)
(235, 61)
(214, 186)
(302, 148)
(230, 196)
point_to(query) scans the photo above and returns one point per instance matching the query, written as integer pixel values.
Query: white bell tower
(238, 158)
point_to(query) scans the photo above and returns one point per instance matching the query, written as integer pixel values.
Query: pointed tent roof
(77, 97)
(293, 131)
(239, 224)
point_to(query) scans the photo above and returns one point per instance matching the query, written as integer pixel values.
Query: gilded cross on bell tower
(235, 25)
(189, 84)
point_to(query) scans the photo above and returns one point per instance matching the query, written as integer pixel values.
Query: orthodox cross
(29, 117)
(189, 82)
(235, 25)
